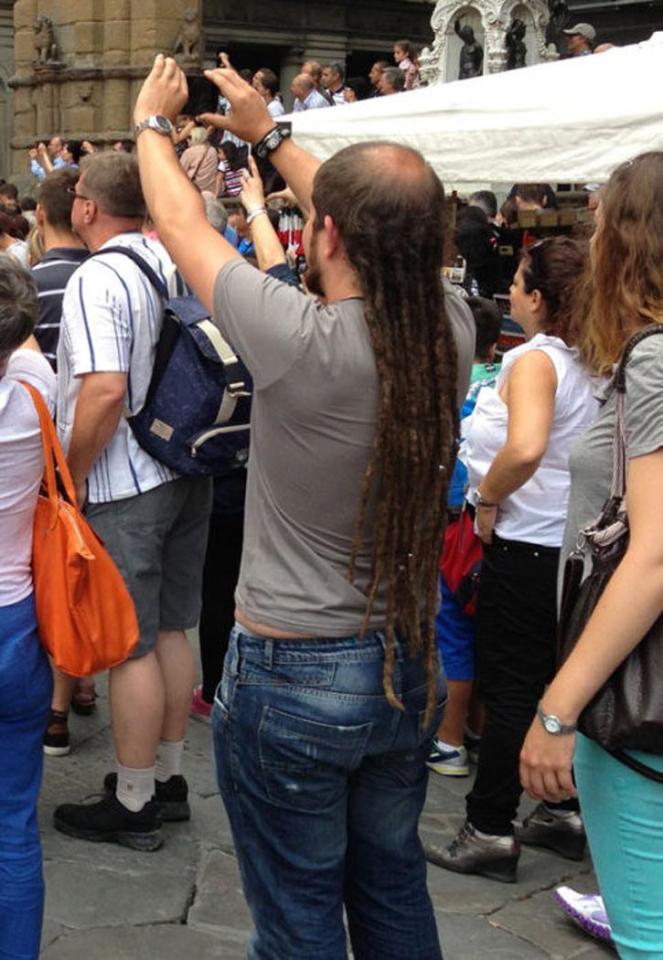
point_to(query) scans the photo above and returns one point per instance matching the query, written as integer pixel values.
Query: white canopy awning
(570, 121)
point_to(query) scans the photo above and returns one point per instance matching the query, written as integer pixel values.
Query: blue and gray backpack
(196, 416)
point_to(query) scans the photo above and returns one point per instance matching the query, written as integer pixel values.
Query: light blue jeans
(324, 783)
(623, 813)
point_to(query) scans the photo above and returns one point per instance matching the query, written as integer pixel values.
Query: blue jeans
(324, 782)
(25, 697)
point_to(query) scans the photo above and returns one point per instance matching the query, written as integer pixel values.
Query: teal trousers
(623, 813)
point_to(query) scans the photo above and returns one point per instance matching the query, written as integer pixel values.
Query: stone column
(115, 115)
(291, 64)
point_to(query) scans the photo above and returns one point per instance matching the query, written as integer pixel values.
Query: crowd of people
(333, 677)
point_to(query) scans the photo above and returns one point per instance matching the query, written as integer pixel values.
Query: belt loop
(268, 654)
(234, 653)
(399, 649)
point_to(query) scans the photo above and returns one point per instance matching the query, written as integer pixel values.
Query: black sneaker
(171, 797)
(56, 738)
(108, 821)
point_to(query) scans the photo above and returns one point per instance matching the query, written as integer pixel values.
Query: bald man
(306, 96)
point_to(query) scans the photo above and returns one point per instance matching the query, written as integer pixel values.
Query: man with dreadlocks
(331, 687)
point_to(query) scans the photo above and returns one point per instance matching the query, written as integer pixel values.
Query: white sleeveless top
(536, 512)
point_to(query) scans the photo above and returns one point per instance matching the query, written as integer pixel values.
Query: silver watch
(155, 122)
(553, 725)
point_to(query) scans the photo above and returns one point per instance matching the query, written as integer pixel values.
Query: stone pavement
(109, 903)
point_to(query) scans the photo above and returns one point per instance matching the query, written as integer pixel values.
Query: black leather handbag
(627, 712)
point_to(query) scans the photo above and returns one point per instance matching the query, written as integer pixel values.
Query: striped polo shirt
(111, 322)
(51, 276)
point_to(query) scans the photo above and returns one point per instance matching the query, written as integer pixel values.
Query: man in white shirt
(305, 94)
(54, 149)
(153, 522)
(266, 83)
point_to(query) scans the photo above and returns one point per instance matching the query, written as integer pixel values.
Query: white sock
(449, 746)
(491, 836)
(169, 759)
(135, 787)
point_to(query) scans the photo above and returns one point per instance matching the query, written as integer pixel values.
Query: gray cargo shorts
(158, 540)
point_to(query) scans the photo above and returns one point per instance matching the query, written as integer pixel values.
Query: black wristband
(271, 141)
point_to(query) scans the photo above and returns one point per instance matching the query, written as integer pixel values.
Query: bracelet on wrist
(250, 217)
(480, 501)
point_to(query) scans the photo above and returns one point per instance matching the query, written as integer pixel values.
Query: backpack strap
(142, 265)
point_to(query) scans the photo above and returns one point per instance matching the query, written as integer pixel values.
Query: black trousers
(220, 575)
(516, 658)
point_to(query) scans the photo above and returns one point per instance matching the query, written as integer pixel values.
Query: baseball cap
(585, 30)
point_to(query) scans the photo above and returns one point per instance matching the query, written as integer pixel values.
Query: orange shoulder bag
(85, 615)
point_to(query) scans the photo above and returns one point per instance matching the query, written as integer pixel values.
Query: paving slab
(475, 938)
(165, 942)
(536, 919)
(85, 895)
(219, 883)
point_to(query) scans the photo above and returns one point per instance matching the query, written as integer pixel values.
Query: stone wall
(6, 70)
(104, 50)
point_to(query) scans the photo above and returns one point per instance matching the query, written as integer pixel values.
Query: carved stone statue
(471, 54)
(515, 46)
(45, 45)
(188, 39)
(559, 17)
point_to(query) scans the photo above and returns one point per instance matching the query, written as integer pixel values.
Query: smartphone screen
(203, 96)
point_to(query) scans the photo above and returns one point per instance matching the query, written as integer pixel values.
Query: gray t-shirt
(312, 430)
(591, 457)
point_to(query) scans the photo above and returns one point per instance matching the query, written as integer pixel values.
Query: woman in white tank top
(518, 446)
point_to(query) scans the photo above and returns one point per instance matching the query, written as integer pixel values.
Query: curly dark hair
(555, 267)
(390, 214)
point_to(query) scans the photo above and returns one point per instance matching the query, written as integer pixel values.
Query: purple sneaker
(587, 910)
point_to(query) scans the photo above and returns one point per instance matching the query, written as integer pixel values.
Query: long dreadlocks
(388, 206)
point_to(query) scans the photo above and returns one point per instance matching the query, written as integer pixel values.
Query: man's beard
(313, 276)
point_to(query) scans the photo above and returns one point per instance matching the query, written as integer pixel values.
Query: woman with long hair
(622, 809)
(518, 444)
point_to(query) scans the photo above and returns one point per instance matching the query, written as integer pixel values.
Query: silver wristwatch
(553, 725)
(155, 122)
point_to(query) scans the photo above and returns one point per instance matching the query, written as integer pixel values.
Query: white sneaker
(587, 910)
(448, 760)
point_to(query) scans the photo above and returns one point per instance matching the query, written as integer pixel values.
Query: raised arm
(269, 251)
(197, 249)
(250, 120)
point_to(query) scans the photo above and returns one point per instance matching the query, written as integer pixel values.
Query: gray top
(312, 429)
(591, 457)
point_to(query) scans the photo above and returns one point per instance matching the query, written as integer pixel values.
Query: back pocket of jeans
(305, 763)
